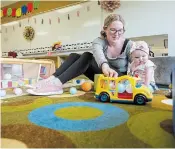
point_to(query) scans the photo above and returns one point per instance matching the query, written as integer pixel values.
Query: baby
(141, 66)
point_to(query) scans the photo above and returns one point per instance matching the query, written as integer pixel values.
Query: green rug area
(148, 126)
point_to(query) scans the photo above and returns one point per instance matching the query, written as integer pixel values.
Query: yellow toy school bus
(122, 89)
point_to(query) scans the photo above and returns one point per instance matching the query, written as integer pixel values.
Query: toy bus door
(112, 88)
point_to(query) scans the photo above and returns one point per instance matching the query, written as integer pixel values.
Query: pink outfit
(140, 70)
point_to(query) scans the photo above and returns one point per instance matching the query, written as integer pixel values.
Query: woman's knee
(86, 59)
(87, 55)
(74, 55)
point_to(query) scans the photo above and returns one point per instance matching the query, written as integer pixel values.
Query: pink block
(10, 84)
(49, 53)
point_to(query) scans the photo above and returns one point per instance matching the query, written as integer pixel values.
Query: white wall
(146, 18)
(143, 18)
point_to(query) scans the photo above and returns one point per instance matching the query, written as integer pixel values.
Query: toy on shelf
(57, 46)
(12, 54)
(2, 93)
(43, 72)
(86, 86)
(7, 76)
(122, 89)
(18, 91)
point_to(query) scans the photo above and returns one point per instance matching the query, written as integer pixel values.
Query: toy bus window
(103, 84)
(125, 89)
(112, 85)
(139, 84)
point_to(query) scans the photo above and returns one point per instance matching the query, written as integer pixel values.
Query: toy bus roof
(121, 77)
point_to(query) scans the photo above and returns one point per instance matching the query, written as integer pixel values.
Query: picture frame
(166, 43)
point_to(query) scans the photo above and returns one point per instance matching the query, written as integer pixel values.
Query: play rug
(82, 122)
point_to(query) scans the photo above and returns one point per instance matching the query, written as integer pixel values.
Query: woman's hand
(108, 72)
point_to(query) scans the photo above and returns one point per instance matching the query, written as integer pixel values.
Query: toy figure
(57, 46)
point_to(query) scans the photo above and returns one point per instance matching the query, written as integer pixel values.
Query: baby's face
(139, 57)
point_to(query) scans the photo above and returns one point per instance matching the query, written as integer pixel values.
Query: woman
(111, 54)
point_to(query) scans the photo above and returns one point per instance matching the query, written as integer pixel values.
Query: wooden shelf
(56, 56)
(21, 61)
(30, 68)
(60, 53)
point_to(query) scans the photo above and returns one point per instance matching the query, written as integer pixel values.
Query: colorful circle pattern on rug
(78, 113)
(33, 136)
(112, 116)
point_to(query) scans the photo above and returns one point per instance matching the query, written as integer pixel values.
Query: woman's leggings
(76, 65)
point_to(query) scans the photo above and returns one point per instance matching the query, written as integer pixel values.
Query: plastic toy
(82, 81)
(57, 46)
(86, 86)
(78, 81)
(2, 93)
(21, 83)
(17, 91)
(125, 89)
(73, 90)
(7, 76)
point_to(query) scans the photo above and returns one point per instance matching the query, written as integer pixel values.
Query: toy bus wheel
(104, 97)
(140, 100)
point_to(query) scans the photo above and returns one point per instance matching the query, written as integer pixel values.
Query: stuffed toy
(12, 54)
(56, 46)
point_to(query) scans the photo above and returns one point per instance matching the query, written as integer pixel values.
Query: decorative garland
(18, 12)
(29, 33)
(110, 6)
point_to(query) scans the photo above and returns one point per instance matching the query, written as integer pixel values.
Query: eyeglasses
(114, 31)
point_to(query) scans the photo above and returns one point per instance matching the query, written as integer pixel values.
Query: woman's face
(115, 31)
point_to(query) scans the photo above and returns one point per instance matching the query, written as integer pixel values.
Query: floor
(11, 94)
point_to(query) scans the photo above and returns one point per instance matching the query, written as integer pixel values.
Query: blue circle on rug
(112, 116)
